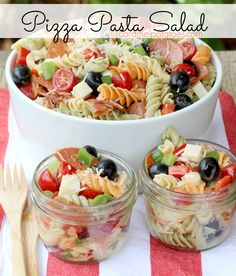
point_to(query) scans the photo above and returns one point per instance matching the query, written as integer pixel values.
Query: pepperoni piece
(58, 49)
(100, 107)
(137, 108)
(201, 72)
(169, 49)
(69, 155)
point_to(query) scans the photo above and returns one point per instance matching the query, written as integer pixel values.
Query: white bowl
(129, 139)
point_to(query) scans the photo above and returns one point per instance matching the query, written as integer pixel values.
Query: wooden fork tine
(1, 179)
(16, 178)
(23, 182)
(8, 179)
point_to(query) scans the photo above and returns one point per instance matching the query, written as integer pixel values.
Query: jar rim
(155, 187)
(103, 208)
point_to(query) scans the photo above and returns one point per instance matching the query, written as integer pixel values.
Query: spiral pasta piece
(167, 147)
(116, 115)
(154, 89)
(202, 55)
(101, 184)
(124, 96)
(136, 71)
(178, 239)
(209, 80)
(166, 181)
(223, 160)
(172, 134)
(154, 67)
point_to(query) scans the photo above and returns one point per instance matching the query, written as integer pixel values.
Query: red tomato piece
(185, 68)
(179, 150)
(122, 80)
(189, 49)
(89, 53)
(66, 168)
(223, 182)
(27, 91)
(64, 80)
(47, 182)
(21, 57)
(229, 170)
(178, 171)
(167, 108)
(89, 193)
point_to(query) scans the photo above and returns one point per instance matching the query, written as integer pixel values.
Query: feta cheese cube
(200, 90)
(70, 184)
(193, 152)
(82, 90)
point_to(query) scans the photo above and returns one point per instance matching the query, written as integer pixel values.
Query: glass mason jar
(84, 234)
(188, 222)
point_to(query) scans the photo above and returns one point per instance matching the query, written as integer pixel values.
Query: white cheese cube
(70, 184)
(82, 90)
(193, 152)
(199, 90)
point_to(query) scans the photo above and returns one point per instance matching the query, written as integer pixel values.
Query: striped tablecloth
(141, 255)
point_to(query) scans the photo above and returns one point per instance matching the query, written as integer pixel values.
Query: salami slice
(69, 155)
(202, 72)
(169, 49)
(137, 108)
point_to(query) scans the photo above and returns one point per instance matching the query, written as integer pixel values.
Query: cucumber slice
(54, 167)
(139, 50)
(157, 156)
(213, 154)
(168, 159)
(101, 40)
(101, 199)
(49, 69)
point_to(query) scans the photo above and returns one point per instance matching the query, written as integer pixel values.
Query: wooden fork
(31, 232)
(13, 197)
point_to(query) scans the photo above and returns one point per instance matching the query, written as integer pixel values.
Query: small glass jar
(84, 234)
(188, 222)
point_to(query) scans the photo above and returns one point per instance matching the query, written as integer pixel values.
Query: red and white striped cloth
(141, 255)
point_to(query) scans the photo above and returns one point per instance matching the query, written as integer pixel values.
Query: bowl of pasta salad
(190, 192)
(107, 91)
(84, 199)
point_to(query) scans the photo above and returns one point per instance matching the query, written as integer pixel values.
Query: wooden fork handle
(18, 262)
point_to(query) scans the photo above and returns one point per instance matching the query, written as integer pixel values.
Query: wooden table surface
(228, 59)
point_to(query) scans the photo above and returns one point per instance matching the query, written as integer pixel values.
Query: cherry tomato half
(66, 168)
(229, 170)
(167, 108)
(122, 80)
(89, 53)
(21, 57)
(185, 68)
(225, 181)
(64, 80)
(47, 182)
(89, 193)
(189, 49)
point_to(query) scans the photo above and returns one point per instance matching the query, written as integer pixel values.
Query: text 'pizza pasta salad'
(190, 192)
(113, 79)
(84, 204)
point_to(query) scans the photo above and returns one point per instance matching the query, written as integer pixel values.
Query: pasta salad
(194, 202)
(113, 79)
(85, 185)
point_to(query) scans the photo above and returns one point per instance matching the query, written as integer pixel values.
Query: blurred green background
(216, 44)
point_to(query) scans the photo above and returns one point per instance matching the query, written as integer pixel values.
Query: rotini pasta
(172, 134)
(101, 184)
(124, 96)
(136, 71)
(154, 90)
(166, 181)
